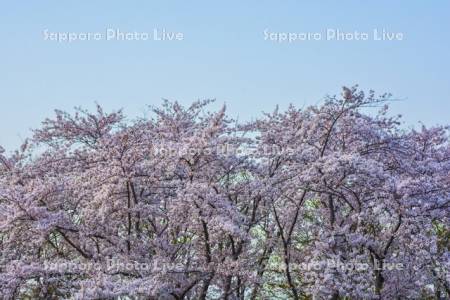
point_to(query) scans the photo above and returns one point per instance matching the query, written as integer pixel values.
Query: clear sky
(223, 55)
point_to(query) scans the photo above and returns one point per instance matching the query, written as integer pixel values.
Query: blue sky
(223, 55)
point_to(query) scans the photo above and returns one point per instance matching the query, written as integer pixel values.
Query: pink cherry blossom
(334, 201)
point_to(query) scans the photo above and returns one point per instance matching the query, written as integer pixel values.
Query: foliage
(191, 205)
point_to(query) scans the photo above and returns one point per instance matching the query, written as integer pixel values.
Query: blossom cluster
(330, 201)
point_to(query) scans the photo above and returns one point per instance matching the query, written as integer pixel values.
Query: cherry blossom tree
(334, 201)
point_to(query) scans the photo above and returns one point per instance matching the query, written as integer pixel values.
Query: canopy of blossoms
(330, 201)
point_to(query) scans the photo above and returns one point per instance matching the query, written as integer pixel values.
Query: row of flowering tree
(329, 201)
